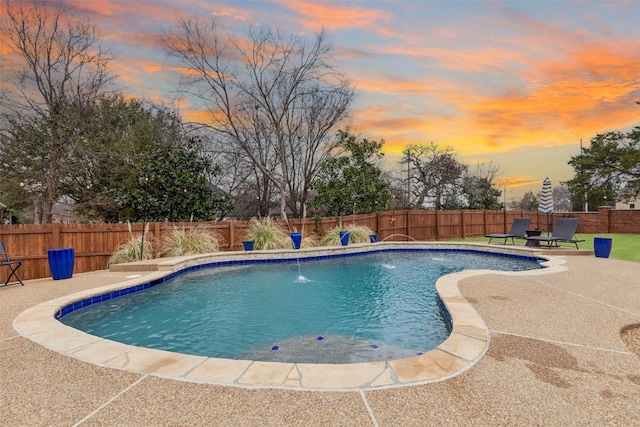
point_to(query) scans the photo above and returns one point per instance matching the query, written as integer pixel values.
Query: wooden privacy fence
(93, 244)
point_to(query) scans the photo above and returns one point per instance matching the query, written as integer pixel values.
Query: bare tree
(277, 98)
(480, 191)
(60, 69)
(250, 189)
(434, 174)
(561, 198)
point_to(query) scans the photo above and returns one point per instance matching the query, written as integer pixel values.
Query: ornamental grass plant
(189, 241)
(309, 241)
(266, 234)
(139, 247)
(332, 237)
(357, 234)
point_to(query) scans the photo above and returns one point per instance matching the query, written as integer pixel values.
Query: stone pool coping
(468, 342)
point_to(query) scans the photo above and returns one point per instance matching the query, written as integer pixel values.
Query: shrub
(189, 241)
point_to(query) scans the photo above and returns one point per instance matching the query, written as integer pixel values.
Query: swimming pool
(381, 305)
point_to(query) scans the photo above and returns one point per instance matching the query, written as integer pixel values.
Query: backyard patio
(556, 357)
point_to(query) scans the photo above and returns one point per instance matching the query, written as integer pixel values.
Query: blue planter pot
(602, 246)
(296, 239)
(61, 263)
(373, 238)
(248, 245)
(344, 238)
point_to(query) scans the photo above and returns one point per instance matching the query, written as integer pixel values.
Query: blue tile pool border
(76, 305)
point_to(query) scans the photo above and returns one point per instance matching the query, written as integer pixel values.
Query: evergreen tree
(351, 182)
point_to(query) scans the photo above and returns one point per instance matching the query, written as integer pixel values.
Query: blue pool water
(377, 306)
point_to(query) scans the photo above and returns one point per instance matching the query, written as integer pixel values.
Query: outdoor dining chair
(6, 262)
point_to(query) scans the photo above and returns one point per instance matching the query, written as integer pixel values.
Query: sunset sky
(516, 82)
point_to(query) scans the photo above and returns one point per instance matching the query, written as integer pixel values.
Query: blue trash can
(296, 238)
(61, 263)
(602, 246)
(344, 238)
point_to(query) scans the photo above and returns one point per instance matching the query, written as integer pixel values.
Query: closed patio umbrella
(546, 202)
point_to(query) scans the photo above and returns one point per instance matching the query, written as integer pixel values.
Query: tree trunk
(52, 179)
(283, 201)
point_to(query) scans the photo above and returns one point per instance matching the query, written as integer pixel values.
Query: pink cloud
(333, 15)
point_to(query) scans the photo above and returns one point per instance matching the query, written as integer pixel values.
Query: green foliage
(350, 181)
(529, 202)
(189, 241)
(161, 176)
(170, 186)
(120, 137)
(268, 235)
(24, 153)
(608, 170)
(481, 194)
(125, 161)
(133, 250)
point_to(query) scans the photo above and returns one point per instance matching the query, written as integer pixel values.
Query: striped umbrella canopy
(546, 201)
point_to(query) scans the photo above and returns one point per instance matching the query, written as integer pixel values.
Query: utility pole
(505, 197)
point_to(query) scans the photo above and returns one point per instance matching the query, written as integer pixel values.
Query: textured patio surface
(556, 357)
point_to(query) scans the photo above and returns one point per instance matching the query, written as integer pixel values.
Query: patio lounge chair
(13, 265)
(564, 231)
(518, 230)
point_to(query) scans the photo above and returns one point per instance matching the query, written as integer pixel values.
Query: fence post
(462, 222)
(406, 218)
(603, 219)
(158, 238)
(55, 236)
(232, 237)
(485, 223)
(505, 221)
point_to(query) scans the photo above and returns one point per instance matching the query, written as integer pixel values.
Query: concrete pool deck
(555, 356)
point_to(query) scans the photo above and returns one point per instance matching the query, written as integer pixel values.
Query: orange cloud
(544, 101)
(562, 100)
(130, 14)
(516, 181)
(197, 116)
(392, 85)
(332, 15)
